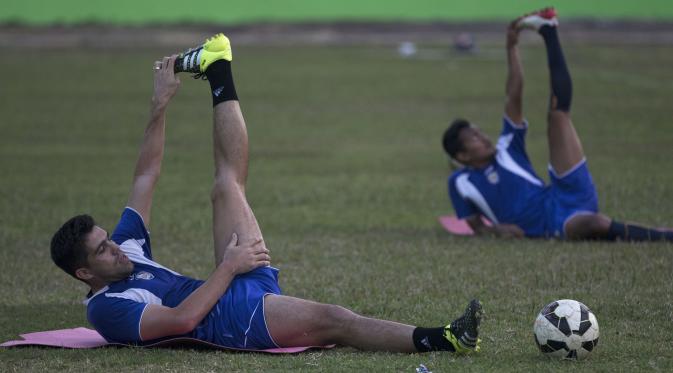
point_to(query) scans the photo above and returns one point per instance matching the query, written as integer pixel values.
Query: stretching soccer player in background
(135, 300)
(498, 182)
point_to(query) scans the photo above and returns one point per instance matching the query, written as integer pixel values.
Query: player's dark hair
(451, 141)
(67, 245)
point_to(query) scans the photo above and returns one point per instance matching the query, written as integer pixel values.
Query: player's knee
(599, 224)
(592, 226)
(338, 320)
(337, 315)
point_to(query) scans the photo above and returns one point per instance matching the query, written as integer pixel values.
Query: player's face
(477, 147)
(106, 261)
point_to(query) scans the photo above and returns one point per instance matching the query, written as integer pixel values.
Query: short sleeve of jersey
(462, 207)
(131, 226)
(116, 319)
(517, 146)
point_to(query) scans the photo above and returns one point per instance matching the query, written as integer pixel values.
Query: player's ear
(83, 274)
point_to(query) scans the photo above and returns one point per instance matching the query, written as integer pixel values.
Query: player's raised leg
(231, 212)
(298, 322)
(565, 148)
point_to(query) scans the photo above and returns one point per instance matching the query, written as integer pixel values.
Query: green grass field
(38, 12)
(347, 177)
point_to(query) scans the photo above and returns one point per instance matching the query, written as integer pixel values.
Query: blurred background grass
(37, 12)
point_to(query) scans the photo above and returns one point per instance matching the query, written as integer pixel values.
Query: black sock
(431, 339)
(221, 82)
(561, 83)
(631, 232)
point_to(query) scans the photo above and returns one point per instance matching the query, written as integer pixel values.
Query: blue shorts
(572, 193)
(239, 315)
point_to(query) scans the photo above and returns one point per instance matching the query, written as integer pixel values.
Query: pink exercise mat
(88, 338)
(457, 226)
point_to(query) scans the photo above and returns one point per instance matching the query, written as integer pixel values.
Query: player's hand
(245, 257)
(513, 33)
(165, 82)
(509, 231)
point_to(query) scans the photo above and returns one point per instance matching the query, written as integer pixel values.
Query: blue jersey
(116, 310)
(508, 191)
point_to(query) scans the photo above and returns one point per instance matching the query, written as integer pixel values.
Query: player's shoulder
(463, 173)
(114, 313)
(131, 219)
(460, 178)
(94, 301)
(132, 234)
(116, 296)
(509, 124)
(457, 173)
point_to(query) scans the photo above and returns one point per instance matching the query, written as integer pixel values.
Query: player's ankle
(221, 82)
(431, 339)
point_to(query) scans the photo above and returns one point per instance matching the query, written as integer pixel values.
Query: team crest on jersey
(493, 177)
(142, 275)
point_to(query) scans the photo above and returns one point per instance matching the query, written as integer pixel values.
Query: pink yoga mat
(88, 338)
(457, 226)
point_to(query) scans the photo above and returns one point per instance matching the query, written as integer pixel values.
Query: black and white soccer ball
(566, 329)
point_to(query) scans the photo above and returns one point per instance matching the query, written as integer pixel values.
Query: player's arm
(514, 85)
(148, 166)
(499, 230)
(159, 321)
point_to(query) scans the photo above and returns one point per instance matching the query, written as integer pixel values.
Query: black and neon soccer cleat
(463, 333)
(196, 60)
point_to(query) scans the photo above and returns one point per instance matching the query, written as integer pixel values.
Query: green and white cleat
(463, 333)
(196, 60)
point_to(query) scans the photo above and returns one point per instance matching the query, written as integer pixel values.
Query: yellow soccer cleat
(463, 333)
(196, 60)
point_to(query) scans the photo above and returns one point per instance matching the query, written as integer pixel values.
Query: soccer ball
(566, 329)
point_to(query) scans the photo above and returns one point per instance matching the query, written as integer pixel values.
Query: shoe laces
(189, 59)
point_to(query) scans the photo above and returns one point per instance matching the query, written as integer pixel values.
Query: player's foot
(463, 333)
(535, 20)
(196, 60)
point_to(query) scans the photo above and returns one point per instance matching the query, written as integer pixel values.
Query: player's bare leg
(231, 212)
(297, 322)
(565, 148)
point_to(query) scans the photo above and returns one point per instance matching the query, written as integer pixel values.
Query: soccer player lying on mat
(136, 300)
(498, 182)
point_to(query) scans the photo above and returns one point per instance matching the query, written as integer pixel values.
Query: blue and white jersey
(507, 191)
(116, 310)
